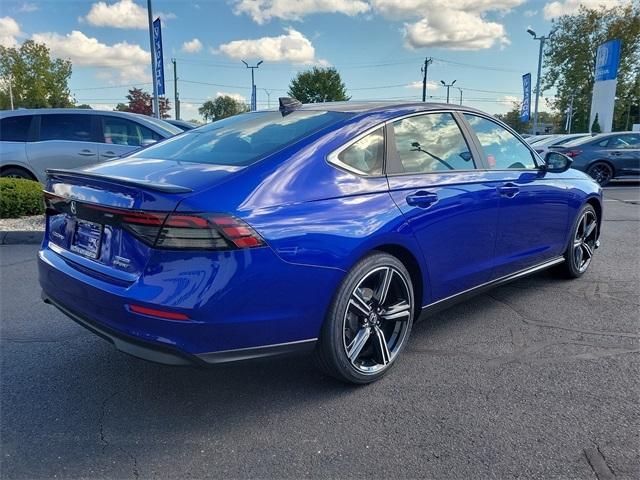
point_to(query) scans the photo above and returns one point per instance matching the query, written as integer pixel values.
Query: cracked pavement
(535, 379)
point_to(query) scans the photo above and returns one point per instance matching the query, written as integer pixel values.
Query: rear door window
(66, 126)
(121, 131)
(15, 129)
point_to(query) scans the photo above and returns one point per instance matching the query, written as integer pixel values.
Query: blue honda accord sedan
(324, 227)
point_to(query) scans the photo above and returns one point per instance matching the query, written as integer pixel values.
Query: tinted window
(70, 127)
(502, 149)
(431, 143)
(15, 129)
(366, 155)
(120, 131)
(624, 141)
(242, 139)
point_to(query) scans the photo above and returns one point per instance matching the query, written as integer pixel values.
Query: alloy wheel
(601, 173)
(377, 320)
(584, 243)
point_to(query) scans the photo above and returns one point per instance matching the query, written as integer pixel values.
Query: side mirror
(556, 162)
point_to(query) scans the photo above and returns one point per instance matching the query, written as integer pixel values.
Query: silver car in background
(33, 140)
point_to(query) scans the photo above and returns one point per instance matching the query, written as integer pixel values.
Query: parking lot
(536, 379)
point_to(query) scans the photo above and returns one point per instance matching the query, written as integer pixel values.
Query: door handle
(109, 154)
(86, 153)
(616, 154)
(422, 199)
(509, 190)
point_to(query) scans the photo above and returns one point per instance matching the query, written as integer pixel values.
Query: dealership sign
(157, 51)
(525, 108)
(604, 88)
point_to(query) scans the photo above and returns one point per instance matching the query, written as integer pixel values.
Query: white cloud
(9, 31)
(122, 14)
(569, 7)
(530, 13)
(469, 31)
(235, 96)
(292, 47)
(431, 85)
(510, 100)
(129, 61)
(192, 46)
(27, 7)
(408, 9)
(262, 11)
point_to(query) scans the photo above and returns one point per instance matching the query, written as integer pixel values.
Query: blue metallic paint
(317, 221)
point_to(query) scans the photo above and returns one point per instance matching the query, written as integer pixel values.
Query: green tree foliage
(37, 80)
(84, 106)
(595, 127)
(222, 107)
(570, 59)
(318, 85)
(512, 118)
(142, 102)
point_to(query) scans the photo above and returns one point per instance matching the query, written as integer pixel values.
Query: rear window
(15, 129)
(66, 126)
(582, 141)
(242, 139)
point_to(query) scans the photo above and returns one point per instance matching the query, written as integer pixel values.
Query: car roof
(378, 106)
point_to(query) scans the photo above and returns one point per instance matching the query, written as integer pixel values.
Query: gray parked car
(33, 140)
(605, 156)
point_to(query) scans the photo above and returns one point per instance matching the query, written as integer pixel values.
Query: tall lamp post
(448, 85)
(460, 94)
(541, 39)
(253, 83)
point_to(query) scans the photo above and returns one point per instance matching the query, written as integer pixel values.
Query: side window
(431, 143)
(625, 141)
(366, 155)
(15, 129)
(66, 126)
(501, 148)
(120, 131)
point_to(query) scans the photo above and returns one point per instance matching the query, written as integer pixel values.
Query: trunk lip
(160, 187)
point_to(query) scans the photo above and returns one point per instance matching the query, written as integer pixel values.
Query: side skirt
(447, 302)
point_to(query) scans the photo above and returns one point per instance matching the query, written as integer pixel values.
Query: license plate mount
(87, 239)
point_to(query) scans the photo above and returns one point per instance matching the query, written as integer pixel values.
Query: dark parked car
(326, 227)
(605, 156)
(181, 124)
(33, 140)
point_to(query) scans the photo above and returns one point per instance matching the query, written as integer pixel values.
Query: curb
(21, 238)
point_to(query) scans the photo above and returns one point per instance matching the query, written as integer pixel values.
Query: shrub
(20, 197)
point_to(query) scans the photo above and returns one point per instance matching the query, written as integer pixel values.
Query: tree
(37, 79)
(84, 106)
(142, 102)
(512, 118)
(595, 127)
(222, 107)
(318, 85)
(570, 59)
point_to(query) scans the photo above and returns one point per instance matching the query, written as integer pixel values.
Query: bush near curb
(20, 197)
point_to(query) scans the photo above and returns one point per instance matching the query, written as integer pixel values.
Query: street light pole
(253, 83)
(460, 94)
(448, 85)
(268, 92)
(541, 39)
(156, 104)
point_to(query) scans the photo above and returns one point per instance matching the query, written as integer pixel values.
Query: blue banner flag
(157, 51)
(525, 108)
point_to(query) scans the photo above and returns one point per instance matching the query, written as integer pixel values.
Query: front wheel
(584, 241)
(369, 321)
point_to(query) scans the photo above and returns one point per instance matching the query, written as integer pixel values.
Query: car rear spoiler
(160, 187)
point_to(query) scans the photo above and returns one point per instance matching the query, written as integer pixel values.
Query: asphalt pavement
(536, 379)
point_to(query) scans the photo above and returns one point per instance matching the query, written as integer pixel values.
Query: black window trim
(537, 160)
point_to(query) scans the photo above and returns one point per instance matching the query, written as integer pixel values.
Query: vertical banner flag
(157, 51)
(525, 108)
(604, 88)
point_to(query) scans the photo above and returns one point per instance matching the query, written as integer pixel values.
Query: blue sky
(378, 46)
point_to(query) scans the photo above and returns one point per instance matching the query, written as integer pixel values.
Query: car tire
(582, 243)
(16, 172)
(601, 172)
(367, 325)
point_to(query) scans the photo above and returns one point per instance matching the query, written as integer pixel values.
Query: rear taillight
(572, 153)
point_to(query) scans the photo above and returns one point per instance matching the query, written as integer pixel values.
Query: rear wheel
(369, 321)
(601, 172)
(16, 172)
(584, 238)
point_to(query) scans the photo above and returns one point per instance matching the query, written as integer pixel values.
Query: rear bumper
(172, 356)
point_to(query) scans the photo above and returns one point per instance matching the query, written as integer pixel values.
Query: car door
(64, 140)
(434, 180)
(534, 204)
(121, 136)
(624, 152)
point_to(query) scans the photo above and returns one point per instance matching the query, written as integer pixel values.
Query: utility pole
(448, 85)
(253, 84)
(176, 98)
(460, 94)
(427, 61)
(156, 104)
(541, 39)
